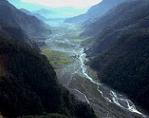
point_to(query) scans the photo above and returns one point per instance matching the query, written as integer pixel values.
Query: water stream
(112, 97)
(105, 102)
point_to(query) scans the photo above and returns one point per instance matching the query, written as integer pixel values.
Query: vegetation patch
(57, 59)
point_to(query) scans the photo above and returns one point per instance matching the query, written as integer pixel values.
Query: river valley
(81, 80)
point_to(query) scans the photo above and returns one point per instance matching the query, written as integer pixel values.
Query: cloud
(64, 3)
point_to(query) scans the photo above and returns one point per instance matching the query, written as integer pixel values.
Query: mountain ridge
(31, 25)
(94, 12)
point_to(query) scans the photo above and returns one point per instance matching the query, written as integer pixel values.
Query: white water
(112, 97)
(83, 95)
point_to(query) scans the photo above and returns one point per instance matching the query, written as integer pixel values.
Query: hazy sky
(60, 3)
(65, 3)
(64, 7)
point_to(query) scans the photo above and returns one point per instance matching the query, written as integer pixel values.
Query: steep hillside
(34, 14)
(118, 17)
(28, 85)
(122, 17)
(95, 12)
(121, 52)
(13, 17)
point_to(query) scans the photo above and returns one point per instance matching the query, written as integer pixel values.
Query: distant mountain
(45, 14)
(13, 17)
(45, 11)
(34, 14)
(63, 12)
(78, 19)
(95, 11)
(120, 52)
(26, 11)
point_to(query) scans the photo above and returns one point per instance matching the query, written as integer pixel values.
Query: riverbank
(75, 76)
